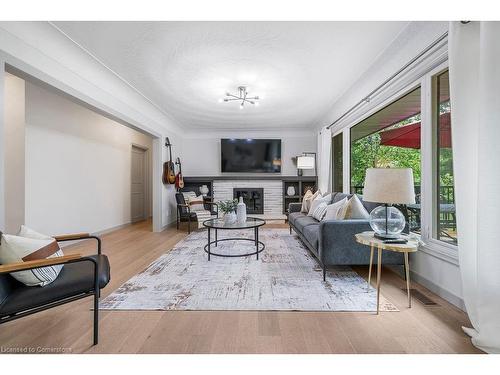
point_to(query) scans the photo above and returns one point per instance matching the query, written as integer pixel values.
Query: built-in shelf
(300, 184)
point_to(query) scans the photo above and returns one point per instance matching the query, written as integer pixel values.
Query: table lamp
(388, 186)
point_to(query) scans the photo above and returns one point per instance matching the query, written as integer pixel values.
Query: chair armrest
(31, 264)
(294, 207)
(80, 236)
(179, 205)
(72, 237)
(213, 204)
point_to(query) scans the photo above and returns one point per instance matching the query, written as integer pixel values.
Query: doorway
(139, 184)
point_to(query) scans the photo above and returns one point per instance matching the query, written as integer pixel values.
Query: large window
(390, 138)
(444, 223)
(338, 163)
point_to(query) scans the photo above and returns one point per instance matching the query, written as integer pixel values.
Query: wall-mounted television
(251, 155)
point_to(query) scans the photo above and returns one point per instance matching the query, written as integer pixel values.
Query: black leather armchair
(80, 277)
(184, 212)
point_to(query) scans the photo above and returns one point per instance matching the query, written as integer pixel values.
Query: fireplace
(253, 198)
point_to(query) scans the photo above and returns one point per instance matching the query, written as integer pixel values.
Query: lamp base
(388, 236)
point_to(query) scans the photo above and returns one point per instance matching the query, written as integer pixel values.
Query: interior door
(138, 188)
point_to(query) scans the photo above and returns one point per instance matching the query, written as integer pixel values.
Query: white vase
(241, 211)
(230, 218)
(290, 191)
(204, 189)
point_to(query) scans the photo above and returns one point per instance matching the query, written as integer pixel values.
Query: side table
(368, 238)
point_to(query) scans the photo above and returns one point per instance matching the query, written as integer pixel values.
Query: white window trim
(432, 246)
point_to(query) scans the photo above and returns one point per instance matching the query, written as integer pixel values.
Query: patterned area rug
(286, 277)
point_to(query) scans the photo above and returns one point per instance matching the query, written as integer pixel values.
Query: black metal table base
(259, 246)
(257, 252)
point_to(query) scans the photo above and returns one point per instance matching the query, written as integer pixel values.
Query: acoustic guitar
(179, 180)
(168, 176)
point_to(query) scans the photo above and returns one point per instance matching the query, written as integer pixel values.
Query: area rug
(286, 277)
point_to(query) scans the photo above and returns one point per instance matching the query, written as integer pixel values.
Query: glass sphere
(395, 221)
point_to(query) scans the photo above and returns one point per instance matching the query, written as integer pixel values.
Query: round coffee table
(217, 224)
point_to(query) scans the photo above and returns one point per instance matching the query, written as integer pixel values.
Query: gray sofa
(332, 241)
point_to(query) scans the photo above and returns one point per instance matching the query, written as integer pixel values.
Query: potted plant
(229, 209)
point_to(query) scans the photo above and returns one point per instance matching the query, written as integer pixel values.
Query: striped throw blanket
(197, 208)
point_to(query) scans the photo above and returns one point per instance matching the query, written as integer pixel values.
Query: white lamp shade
(389, 185)
(305, 162)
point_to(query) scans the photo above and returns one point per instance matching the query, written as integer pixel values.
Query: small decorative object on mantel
(204, 190)
(241, 211)
(290, 191)
(229, 209)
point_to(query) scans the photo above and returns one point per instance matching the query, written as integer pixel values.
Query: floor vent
(426, 301)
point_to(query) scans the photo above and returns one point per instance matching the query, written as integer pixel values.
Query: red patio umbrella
(408, 136)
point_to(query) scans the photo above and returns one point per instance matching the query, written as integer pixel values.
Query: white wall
(14, 152)
(201, 153)
(438, 272)
(78, 166)
(41, 51)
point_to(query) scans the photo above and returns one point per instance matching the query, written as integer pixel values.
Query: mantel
(249, 177)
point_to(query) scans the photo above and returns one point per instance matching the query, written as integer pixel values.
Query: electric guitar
(179, 180)
(168, 167)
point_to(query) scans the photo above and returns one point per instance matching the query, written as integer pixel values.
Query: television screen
(251, 155)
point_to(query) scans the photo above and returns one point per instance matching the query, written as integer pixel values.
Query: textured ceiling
(298, 69)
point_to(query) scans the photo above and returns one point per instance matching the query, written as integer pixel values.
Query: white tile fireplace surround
(273, 198)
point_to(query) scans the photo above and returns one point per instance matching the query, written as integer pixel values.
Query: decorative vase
(230, 218)
(241, 211)
(290, 191)
(204, 190)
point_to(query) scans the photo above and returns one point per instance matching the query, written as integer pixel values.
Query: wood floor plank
(421, 329)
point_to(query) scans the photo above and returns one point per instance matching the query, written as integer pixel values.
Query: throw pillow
(317, 201)
(305, 199)
(196, 203)
(306, 202)
(30, 245)
(334, 210)
(319, 211)
(354, 209)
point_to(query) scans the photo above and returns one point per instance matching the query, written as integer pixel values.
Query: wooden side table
(367, 238)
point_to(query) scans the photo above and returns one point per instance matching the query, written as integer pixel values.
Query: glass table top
(219, 223)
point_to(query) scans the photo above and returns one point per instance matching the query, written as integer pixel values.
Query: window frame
(432, 246)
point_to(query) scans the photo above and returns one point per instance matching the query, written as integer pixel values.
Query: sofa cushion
(340, 196)
(294, 216)
(311, 234)
(302, 222)
(74, 278)
(368, 205)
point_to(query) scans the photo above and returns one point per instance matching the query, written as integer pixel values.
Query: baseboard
(441, 292)
(112, 229)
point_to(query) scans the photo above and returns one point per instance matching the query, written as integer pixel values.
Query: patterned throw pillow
(196, 203)
(307, 200)
(30, 245)
(334, 210)
(319, 211)
(317, 201)
(354, 209)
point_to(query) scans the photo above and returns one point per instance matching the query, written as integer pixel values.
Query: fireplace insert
(253, 198)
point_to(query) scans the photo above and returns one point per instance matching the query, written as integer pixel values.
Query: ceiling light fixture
(241, 97)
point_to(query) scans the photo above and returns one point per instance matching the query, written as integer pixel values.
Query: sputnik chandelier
(241, 97)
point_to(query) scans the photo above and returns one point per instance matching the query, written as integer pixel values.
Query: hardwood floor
(421, 329)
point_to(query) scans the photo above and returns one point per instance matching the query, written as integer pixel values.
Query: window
(390, 138)
(338, 164)
(444, 223)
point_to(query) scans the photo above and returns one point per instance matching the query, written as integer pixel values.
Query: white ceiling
(299, 69)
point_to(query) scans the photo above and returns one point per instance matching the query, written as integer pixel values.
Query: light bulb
(220, 100)
(241, 106)
(256, 104)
